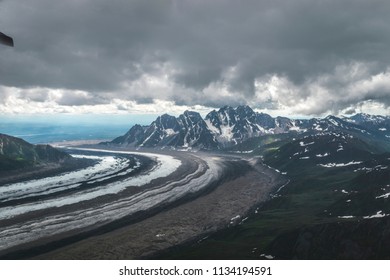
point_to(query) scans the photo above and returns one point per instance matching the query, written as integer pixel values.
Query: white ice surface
(303, 144)
(329, 165)
(168, 192)
(102, 170)
(322, 155)
(378, 214)
(165, 166)
(386, 195)
(211, 127)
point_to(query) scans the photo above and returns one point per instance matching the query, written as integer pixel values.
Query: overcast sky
(284, 57)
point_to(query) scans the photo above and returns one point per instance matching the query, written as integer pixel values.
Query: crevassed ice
(165, 166)
(106, 166)
(171, 191)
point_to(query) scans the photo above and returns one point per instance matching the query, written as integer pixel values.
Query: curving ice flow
(165, 166)
(208, 170)
(104, 169)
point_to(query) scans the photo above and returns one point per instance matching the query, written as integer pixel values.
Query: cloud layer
(295, 57)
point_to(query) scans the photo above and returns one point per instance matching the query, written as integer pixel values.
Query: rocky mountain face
(377, 125)
(187, 130)
(16, 153)
(230, 126)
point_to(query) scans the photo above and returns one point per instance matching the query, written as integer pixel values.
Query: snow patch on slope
(329, 165)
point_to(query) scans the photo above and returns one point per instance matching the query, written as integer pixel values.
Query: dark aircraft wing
(6, 40)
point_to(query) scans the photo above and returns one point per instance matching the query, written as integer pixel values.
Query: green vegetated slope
(16, 153)
(335, 206)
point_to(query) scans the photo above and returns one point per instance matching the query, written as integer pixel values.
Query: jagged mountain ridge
(188, 130)
(379, 125)
(230, 126)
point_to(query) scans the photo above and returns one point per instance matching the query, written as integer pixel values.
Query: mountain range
(229, 126)
(336, 204)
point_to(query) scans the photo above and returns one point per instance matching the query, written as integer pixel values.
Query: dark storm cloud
(91, 45)
(102, 46)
